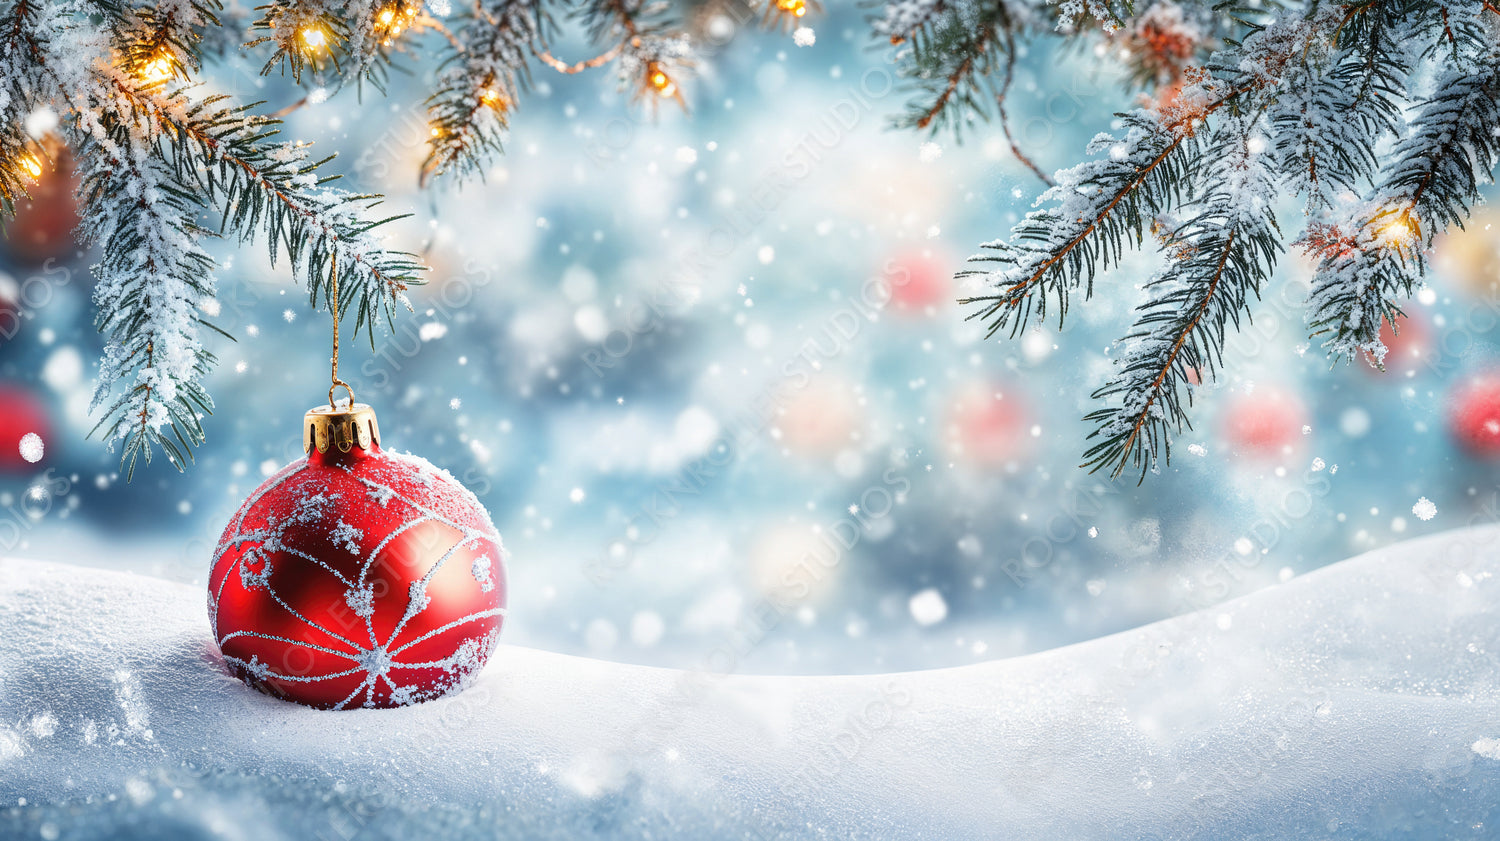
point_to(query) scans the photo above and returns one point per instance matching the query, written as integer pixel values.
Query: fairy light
(158, 69)
(662, 83)
(31, 165)
(797, 8)
(492, 98)
(1400, 231)
(390, 20)
(314, 37)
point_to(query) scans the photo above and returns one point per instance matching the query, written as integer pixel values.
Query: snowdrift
(1362, 700)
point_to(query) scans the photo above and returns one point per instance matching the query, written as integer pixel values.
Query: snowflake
(251, 578)
(376, 661)
(481, 571)
(348, 537)
(380, 493)
(1425, 509)
(361, 600)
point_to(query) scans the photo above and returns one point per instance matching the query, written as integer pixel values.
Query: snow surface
(1362, 700)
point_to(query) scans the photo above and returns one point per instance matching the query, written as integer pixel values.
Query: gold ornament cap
(340, 427)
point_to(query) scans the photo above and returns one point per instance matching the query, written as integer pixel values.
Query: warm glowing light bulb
(158, 70)
(314, 37)
(1399, 231)
(437, 132)
(31, 165)
(491, 97)
(386, 16)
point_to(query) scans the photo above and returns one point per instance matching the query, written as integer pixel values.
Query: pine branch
(1101, 208)
(307, 36)
(1218, 262)
(902, 20)
(164, 42)
(654, 55)
(483, 75)
(951, 54)
(153, 279)
(259, 184)
(153, 160)
(1377, 255)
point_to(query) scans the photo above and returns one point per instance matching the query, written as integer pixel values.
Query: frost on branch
(1218, 259)
(153, 278)
(1374, 257)
(154, 159)
(482, 77)
(1097, 209)
(1385, 117)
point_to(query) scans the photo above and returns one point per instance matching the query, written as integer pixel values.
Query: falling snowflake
(928, 607)
(32, 447)
(804, 37)
(929, 152)
(1425, 509)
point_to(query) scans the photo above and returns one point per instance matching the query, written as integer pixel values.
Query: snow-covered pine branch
(1096, 210)
(331, 41)
(152, 160)
(1375, 256)
(1334, 87)
(154, 278)
(260, 185)
(1332, 112)
(1218, 261)
(950, 55)
(482, 76)
(164, 41)
(653, 54)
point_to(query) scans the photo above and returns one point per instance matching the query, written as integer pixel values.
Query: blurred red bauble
(44, 225)
(22, 413)
(1264, 423)
(1403, 350)
(988, 425)
(918, 280)
(1474, 415)
(356, 577)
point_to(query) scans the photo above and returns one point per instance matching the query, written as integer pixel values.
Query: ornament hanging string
(333, 306)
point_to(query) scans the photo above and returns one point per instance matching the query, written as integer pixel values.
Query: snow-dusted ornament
(357, 577)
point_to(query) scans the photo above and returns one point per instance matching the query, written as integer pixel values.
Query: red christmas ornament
(43, 226)
(989, 425)
(1265, 423)
(21, 413)
(1403, 350)
(1474, 415)
(919, 280)
(357, 577)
